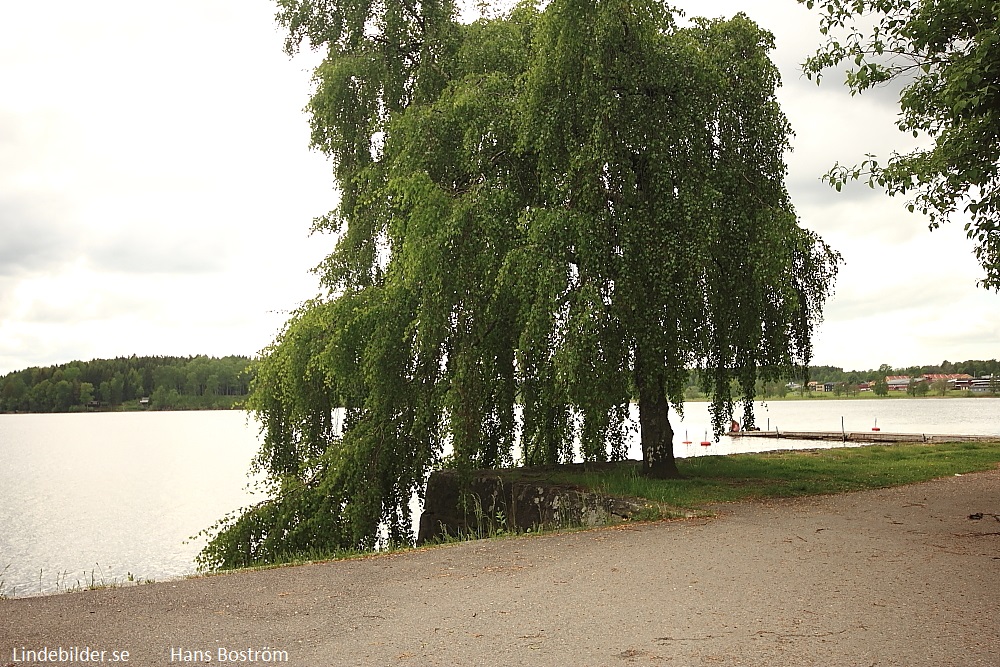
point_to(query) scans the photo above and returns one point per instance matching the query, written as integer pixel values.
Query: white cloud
(157, 187)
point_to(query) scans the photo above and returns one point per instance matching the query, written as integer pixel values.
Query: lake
(109, 497)
(104, 495)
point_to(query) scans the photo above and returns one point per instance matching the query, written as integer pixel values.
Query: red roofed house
(897, 382)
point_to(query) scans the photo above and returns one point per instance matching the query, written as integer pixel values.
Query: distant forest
(153, 383)
(209, 383)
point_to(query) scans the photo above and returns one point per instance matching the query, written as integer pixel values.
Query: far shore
(791, 396)
(861, 396)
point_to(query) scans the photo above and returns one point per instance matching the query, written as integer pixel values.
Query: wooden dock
(864, 436)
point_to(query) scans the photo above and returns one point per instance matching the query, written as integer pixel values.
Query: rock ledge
(498, 501)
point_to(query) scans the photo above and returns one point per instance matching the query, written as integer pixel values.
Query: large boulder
(483, 503)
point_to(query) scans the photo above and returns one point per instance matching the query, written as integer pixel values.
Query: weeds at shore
(3, 583)
(93, 580)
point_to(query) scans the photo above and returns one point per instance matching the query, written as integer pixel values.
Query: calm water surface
(960, 416)
(101, 497)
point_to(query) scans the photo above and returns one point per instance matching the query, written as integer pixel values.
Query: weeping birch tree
(661, 164)
(544, 216)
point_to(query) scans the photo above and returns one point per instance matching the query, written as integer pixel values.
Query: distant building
(897, 382)
(934, 377)
(969, 383)
(950, 378)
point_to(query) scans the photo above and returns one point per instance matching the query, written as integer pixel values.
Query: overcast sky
(156, 191)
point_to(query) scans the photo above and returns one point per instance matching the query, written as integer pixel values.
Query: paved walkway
(892, 577)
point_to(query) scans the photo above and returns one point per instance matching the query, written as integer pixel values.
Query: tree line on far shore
(202, 382)
(848, 382)
(156, 383)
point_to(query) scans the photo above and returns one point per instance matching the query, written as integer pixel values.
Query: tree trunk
(656, 435)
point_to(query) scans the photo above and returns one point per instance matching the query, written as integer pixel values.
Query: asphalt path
(897, 576)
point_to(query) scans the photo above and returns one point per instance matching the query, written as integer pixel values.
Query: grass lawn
(715, 479)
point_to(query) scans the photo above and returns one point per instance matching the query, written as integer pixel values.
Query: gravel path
(891, 577)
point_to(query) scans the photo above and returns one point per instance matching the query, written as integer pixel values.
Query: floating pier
(864, 436)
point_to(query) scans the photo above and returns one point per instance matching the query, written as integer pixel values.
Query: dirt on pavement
(897, 576)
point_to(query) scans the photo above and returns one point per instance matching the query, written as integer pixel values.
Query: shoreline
(869, 567)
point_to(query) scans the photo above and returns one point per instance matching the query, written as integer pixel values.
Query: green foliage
(555, 211)
(917, 387)
(173, 383)
(947, 53)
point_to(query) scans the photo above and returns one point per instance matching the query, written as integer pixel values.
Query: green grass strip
(718, 479)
